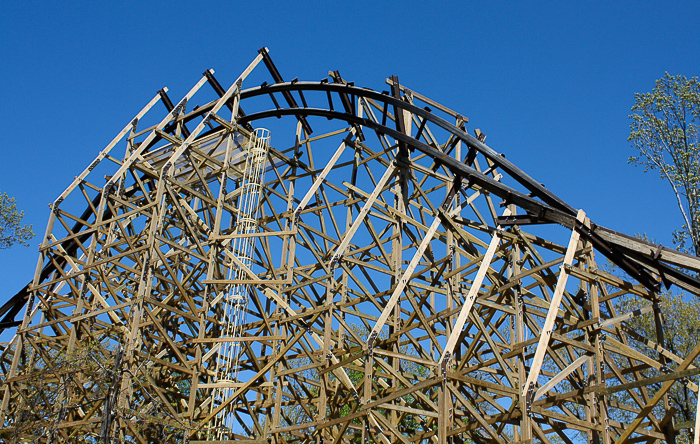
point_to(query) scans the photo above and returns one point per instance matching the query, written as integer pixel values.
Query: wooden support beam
(393, 309)
(470, 298)
(321, 177)
(347, 237)
(646, 410)
(546, 332)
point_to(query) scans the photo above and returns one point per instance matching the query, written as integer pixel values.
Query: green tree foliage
(664, 130)
(681, 334)
(11, 232)
(295, 411)
(48, 399)
(64, 385)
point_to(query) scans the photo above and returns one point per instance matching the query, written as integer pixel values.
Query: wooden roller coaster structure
(392, 280)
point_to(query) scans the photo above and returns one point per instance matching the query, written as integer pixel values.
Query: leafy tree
(682, 334)
(49, 395)
(307, 382)
(63, 386)
(664, 130)
(11, 231)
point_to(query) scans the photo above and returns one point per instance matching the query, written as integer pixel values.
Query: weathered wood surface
(390, 298)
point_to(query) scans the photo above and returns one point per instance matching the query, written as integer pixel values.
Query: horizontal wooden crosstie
(383, 276)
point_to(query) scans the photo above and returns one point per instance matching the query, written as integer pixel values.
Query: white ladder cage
(236, 300)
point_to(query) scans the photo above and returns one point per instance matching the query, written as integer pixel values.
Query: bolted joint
(443, 365)
(335, 260)
(529, 398)
(372, 338)
(55, 205)
(296, 216)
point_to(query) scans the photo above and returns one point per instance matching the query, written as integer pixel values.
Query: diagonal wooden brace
(388, 174)
(401, 285)
(321, 177)
(78, 179)
(136, 155)
(471, 297)
(627, 432)
(235, 87)
(546, 333)
(560, 376)
(339, 372)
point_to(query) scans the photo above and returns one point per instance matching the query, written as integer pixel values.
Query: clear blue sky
(550, 83)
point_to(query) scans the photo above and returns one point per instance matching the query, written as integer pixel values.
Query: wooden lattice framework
(397, 292)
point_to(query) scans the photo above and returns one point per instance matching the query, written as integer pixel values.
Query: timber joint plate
(529, 398)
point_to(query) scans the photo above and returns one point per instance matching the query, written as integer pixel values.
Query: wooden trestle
(397, 293)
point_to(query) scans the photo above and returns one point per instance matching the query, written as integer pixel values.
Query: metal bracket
(372, 338)
(529, 398)
(519, 219)
(445, 362)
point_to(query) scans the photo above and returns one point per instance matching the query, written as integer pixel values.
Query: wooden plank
(245, 281)
(560, 376)
(471, 298)
(261, 234)
(238, 339)
(129, 126)
(649, 249)
(508, 391)
(696, 435)
(229, 384)
(648, 381)
(546, 331)
(347, 237)
(627, 432)
(104, 310)
(321, 177)
(626, 316)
